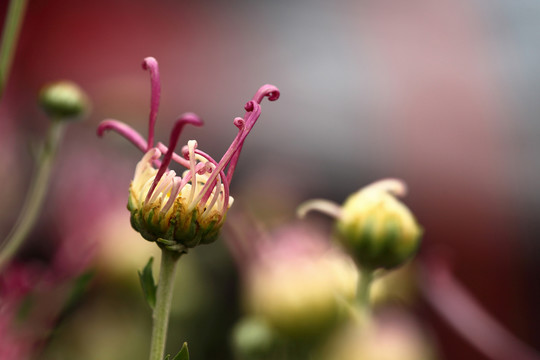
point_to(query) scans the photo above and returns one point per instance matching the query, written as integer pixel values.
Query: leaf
(78, 288)
(183, 354)
(147, 283)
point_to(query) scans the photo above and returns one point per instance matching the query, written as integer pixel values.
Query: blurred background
(440, 94)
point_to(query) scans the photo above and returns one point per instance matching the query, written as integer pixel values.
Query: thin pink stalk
(187, 118)
(175, 157)
(123, 129)
(463, 313)
(175, 190)
(151, 65)
(254, 110)
(223, 179)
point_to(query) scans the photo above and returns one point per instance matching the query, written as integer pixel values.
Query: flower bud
(63, 100)
(299, 286)
(170, 210)
(376, 228)
(253, 339)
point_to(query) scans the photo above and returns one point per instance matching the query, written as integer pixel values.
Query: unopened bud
(63, 100)
(301, 287)
(376, 228)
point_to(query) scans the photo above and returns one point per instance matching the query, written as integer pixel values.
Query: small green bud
(63, 100)
(376, 228)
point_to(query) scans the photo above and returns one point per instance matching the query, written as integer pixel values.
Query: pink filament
(187, 118)
(123, 129)
(151, 65)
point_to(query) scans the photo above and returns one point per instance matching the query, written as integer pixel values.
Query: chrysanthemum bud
(170, 211)
(376, 228)
(63, 100)
(300, 287)
(181, 212)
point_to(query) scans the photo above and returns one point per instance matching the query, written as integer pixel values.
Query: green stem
(10, 35)
(362, 297)
(160, 316)
(36, 194)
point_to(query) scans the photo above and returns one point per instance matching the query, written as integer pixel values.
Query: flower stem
(362, 297)
(160, 316)
(36, 194)
(12, 27)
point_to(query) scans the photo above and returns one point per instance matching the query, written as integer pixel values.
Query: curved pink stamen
(230, 158)
(175, 157)
(174, 193)
(253, 112)
(125, 130)
(266, 90)
(187, 118)
(151, 65)
(206, 195)
(188, 176)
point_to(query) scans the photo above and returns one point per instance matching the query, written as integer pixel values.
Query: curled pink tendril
(266, 90)
(187, 118)
(123, 129)
(151, 65)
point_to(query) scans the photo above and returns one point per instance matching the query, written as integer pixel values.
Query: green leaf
(183, 354)
(147, 283)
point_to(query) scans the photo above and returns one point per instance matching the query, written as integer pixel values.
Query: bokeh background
(441, 94)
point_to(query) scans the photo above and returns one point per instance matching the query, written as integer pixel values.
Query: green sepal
(147, 283)
(183, 354)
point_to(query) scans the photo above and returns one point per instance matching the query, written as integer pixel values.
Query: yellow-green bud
(63, 100)
(376, 228)
(301, 295)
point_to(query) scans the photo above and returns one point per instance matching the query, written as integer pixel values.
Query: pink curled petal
(174, 193)
(205, 168)
(187, 118)
(125, 130)
(249, 105)
(266, 90)
(207, 190)
(188, 176)
(151, 65)
(175, 157)
(239, 122)
(185, 152)
(233, 152)
(250, 120)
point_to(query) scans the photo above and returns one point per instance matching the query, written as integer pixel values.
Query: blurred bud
(253, 339)
(63, 100)
(112, 260)
(377, 229)
(301, 290)
(392, 336)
